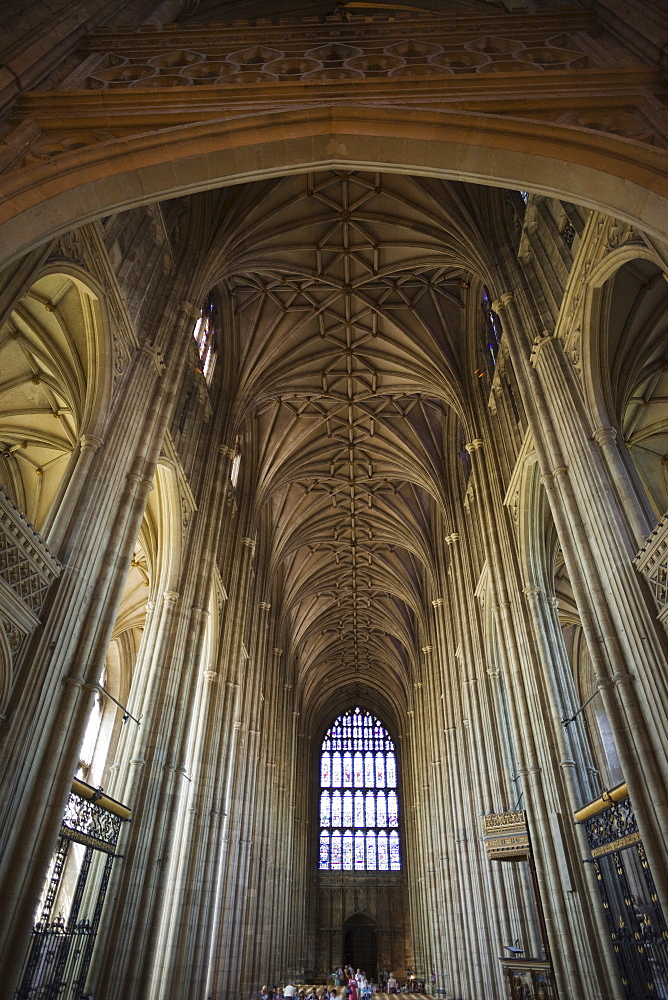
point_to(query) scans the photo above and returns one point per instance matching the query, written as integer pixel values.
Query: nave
(333, 539)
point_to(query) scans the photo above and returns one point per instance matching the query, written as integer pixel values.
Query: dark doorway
(360, 946)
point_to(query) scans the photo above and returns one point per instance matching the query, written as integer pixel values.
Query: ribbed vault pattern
(347, 295)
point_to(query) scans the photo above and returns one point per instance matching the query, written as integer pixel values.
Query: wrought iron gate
(632, 910)
(61, 947)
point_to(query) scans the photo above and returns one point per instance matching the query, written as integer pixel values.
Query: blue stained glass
(324, 850)
(335, 855)
(347, 770)
(358, 771)
(359, 809)
(347, 809)
(371, 852)
(369, 810)
(359, 850)
(347, 851)
(395, 863)
(383, 853)
(391, 771)
(337, 819)
(357, 760)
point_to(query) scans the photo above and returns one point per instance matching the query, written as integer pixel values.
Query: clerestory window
(206, 333)
(359, 806)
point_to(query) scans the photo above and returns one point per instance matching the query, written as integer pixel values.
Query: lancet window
(359, 804)
(491, 327)
(205, 334)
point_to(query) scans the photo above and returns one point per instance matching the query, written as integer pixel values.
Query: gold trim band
(85, 791)
(598, 805)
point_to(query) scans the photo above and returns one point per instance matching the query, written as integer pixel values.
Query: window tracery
(359, 805)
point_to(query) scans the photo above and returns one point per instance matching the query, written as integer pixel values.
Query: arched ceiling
(46, 346)
(347, 294)
(635, 324)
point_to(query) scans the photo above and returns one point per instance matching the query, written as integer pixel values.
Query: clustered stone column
(94, 535)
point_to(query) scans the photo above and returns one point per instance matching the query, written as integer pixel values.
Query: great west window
(359, 807)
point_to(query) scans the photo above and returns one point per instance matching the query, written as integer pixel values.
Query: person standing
(289, 991)
(392, 984)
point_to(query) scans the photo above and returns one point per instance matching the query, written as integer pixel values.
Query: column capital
(189, 309)
(248, 542)
(451, 539)
(604, 435)
(503, 301)
(531, 591)
(90, 442)
(264, 606)
(438, 602)
(474, 445)
(170, 597)
(427, 650)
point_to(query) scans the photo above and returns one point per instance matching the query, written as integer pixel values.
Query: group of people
(291, 992)
(357, 987)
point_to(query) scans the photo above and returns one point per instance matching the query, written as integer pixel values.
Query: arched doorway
(360, 944)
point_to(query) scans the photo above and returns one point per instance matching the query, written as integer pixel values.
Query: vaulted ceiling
(348, 295)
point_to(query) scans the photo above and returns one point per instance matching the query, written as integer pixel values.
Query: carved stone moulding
(27, 570)
(652, 562)
(466, 45)
(26, 565)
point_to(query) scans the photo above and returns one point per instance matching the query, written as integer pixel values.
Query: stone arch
(359, 935)
(625, 365)
(154, 569)
(573, 680)
(616, 175)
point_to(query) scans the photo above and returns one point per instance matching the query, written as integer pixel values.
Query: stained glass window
(347, 809)
(359, 805)
(205, 332)
(359, 809)
(491, 328)
(347, 851)
(325, 771)
(383, 853)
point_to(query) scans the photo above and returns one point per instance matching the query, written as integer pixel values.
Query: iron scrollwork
(61, 946)
(87, 822)
(612, 829)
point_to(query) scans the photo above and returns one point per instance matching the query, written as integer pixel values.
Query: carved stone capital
(604, 435)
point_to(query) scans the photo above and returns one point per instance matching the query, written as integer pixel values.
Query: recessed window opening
(205, 335)
(491, 327)
(359, 805)
(236, 463)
